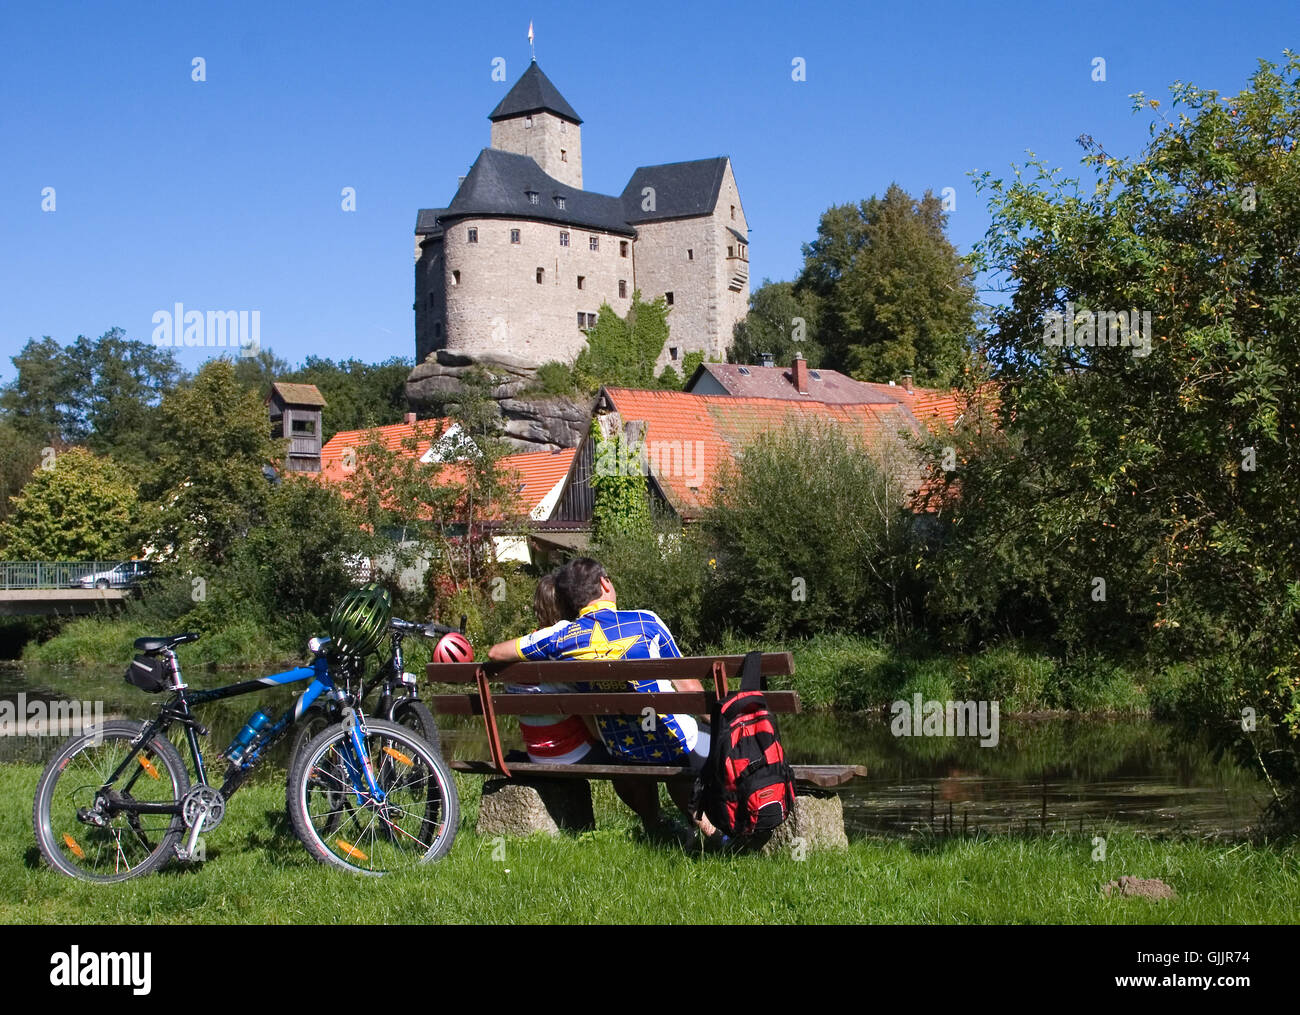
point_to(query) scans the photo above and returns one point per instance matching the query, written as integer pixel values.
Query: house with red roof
(535, 478)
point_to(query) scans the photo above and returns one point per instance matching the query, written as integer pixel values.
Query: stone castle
(516, 267)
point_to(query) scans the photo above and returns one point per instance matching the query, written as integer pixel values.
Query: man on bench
(602, 631)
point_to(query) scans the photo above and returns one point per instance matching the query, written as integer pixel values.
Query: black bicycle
(364, 794)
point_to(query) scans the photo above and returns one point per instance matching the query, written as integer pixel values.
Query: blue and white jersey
(604, 632)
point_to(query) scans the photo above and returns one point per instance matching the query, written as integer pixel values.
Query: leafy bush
(812, 535)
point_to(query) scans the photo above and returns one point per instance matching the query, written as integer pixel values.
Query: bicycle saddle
(152, 645)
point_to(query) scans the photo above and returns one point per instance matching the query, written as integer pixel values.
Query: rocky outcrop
(529, 422)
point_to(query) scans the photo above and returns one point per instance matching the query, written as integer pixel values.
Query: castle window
(690, 254)
(564, 156)
(541, 275)
(593, 242)
(730, 251)
(668, 298)
(559, 202)
(564, 238)
(581, 280)
(733, 211)
(564, 126)
(471, 236)
(528, 121)
(622, 288)
(455, 278)
(514, 235)
(582, 320)
(622, 248)
(532, 196)
(672, 352)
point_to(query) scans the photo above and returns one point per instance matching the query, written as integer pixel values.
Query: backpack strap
(751, 674)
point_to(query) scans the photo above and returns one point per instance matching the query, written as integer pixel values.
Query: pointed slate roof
(682, 189)
(499, 182)
(533, 93)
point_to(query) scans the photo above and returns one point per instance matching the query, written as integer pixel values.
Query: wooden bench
(490, 700)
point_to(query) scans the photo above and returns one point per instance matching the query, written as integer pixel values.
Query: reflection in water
(1044, 776)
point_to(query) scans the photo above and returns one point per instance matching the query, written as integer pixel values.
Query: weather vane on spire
(532, 52)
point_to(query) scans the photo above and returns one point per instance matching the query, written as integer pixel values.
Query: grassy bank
(844, 672)
(257, 872)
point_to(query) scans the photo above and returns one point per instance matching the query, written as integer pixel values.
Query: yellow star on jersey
(600, 647)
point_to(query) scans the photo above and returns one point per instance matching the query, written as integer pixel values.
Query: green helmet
(360, 620)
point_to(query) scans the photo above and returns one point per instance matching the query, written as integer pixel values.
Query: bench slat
(575, 703)
(774, 664)
(822, 776)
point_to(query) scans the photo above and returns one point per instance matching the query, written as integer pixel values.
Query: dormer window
(559, 202)
(532, 196)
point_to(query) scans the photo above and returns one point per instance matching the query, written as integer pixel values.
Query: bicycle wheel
(411, 820)
(81, 828)
(415, 716)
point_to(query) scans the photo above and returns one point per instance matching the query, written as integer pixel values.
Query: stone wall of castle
(554, 143)
(430, 298)
(690, 259)
(496, 307)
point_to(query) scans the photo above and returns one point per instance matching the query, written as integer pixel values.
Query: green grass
(92, 640)
(257, 872)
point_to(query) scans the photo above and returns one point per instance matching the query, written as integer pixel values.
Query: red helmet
(453, 648)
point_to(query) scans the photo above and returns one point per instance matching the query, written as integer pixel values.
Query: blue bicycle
(366, 795)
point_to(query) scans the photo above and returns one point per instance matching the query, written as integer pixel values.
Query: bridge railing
(47, 574)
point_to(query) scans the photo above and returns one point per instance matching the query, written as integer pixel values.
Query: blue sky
(225, 194)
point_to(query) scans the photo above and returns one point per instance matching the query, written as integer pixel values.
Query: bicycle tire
(77, 848)
(415, 715)
(417, 822)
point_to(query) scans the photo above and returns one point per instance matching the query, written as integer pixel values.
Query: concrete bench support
(521, 807)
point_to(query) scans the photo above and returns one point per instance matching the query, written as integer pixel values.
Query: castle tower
(535, 120)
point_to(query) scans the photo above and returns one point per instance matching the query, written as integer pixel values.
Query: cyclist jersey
(552, 739)
(604, 632)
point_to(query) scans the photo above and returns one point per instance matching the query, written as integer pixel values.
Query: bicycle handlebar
(429, 630)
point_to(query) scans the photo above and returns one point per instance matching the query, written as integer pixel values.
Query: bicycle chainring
(205, 801)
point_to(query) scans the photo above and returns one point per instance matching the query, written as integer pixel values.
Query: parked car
(126, 575)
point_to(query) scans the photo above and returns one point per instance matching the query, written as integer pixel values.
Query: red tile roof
(688, 436)
(532, 474)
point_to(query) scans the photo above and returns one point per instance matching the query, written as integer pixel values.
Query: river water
(1044, 775)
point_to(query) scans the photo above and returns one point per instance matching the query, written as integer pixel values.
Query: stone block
(817, 823)
(520, 808)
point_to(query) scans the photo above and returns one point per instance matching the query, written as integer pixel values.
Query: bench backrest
(568, 671)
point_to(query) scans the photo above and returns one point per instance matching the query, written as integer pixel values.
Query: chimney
(410, 419)
(907, 382)
(767, 358)
(799, 374)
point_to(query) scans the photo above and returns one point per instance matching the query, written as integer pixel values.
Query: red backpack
(746, 787)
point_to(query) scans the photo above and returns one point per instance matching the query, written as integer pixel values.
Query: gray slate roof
(682, 189)
(498, 184)
(532, 93)
(426, 221)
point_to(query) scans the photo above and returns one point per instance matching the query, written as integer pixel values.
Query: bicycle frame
(178, 710)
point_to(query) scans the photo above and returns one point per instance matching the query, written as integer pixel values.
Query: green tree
(894, 297)
(780, 321)
(101, 392)
(210, 485)
(813, 534)
(1159, 459)
(80, 509)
